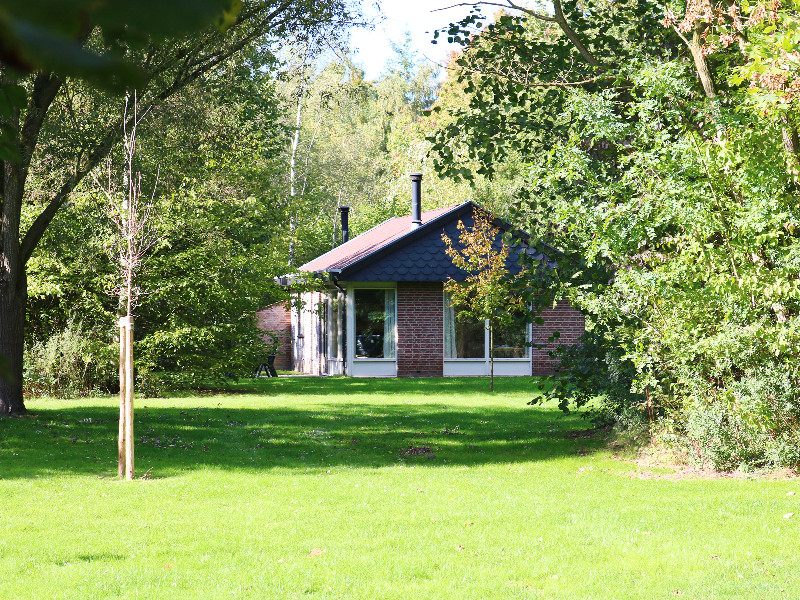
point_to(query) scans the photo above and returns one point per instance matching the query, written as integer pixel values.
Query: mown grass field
(338, 488)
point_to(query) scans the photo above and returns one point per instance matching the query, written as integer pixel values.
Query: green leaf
(49, 50)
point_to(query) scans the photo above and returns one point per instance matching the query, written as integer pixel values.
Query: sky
(399, 16)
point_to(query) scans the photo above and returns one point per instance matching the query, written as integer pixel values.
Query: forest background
(656, 146)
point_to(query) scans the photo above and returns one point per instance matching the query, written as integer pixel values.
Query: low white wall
(377, 367)
(503, 367)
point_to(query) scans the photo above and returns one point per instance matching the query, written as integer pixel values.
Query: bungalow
(385, 312)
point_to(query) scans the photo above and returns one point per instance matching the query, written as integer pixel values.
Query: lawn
(340, 488)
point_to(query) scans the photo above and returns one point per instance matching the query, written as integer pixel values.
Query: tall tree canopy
(659, 150)
(52, 155)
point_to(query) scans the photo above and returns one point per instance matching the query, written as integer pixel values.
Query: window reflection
(374, 323)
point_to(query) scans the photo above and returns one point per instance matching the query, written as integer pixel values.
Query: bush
(72, 362)
(592, 369)
(754, 423)
(183, 357)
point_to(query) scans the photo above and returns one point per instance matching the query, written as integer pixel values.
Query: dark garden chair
(268, 368)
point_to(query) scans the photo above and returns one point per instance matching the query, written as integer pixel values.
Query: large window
(467, 337)
(375, 323)
(464, 337)
(511, 341)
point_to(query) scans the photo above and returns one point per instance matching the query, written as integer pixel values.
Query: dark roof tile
(369, 242)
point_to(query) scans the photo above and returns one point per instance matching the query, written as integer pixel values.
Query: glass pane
(509, 341)
(464, 337)
(374, 323)
(333, 328)
(470, 338)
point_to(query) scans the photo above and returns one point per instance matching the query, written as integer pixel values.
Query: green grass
(510, 502)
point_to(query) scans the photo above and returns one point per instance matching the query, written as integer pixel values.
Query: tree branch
(558, 18)
(701, 66)
(507, 4)
(573, 37)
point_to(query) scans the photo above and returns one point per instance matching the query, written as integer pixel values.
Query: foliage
(587, 371)
(355, 144)
(38, 36)
(72, 362)
(68, 128)
(672, 201)
(218, 231)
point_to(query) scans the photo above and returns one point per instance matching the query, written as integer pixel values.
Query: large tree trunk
(13, 297)
(13, 286)
(13, 277)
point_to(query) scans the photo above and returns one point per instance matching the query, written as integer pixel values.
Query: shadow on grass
(81, 439)
(322, 386)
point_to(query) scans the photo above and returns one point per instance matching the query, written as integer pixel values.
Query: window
(374, 323)
(333, 326)
(466, 337)
(511, 341)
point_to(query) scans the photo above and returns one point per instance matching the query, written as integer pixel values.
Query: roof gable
(369, 242)
(392, 251)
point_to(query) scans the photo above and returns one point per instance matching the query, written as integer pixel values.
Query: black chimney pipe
(416, 200)
(344, 211)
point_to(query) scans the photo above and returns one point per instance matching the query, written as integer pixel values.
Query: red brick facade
(276, 322)
(564, 319)
(420, 330)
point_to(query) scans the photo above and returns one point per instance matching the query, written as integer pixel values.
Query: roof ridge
(361, 246)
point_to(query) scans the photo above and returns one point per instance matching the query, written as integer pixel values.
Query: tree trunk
(13, 298)
(791, 143)
(129, 399)
(123, 345)
(701, 65)
(13, 289)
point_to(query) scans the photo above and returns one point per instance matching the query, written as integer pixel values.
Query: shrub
(182, 357)
(754, 423)
(72, 362)
(591, 369)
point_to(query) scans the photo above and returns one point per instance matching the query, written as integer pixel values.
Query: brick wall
(564, 319)
(420, 327)
(276, 321)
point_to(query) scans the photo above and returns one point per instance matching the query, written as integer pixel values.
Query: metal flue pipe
(344, 212)
(416, 200)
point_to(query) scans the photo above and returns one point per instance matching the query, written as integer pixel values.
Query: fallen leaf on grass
(788, 515)
(316, 552)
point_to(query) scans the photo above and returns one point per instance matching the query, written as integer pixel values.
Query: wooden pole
(129, 399)
(122, 395)
(491, 356)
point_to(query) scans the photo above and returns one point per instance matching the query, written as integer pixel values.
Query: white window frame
(460, 367)
(368, 367)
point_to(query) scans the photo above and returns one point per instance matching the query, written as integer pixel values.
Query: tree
(135, 236)
(670, 196)
(485, 293)
(167, 65)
